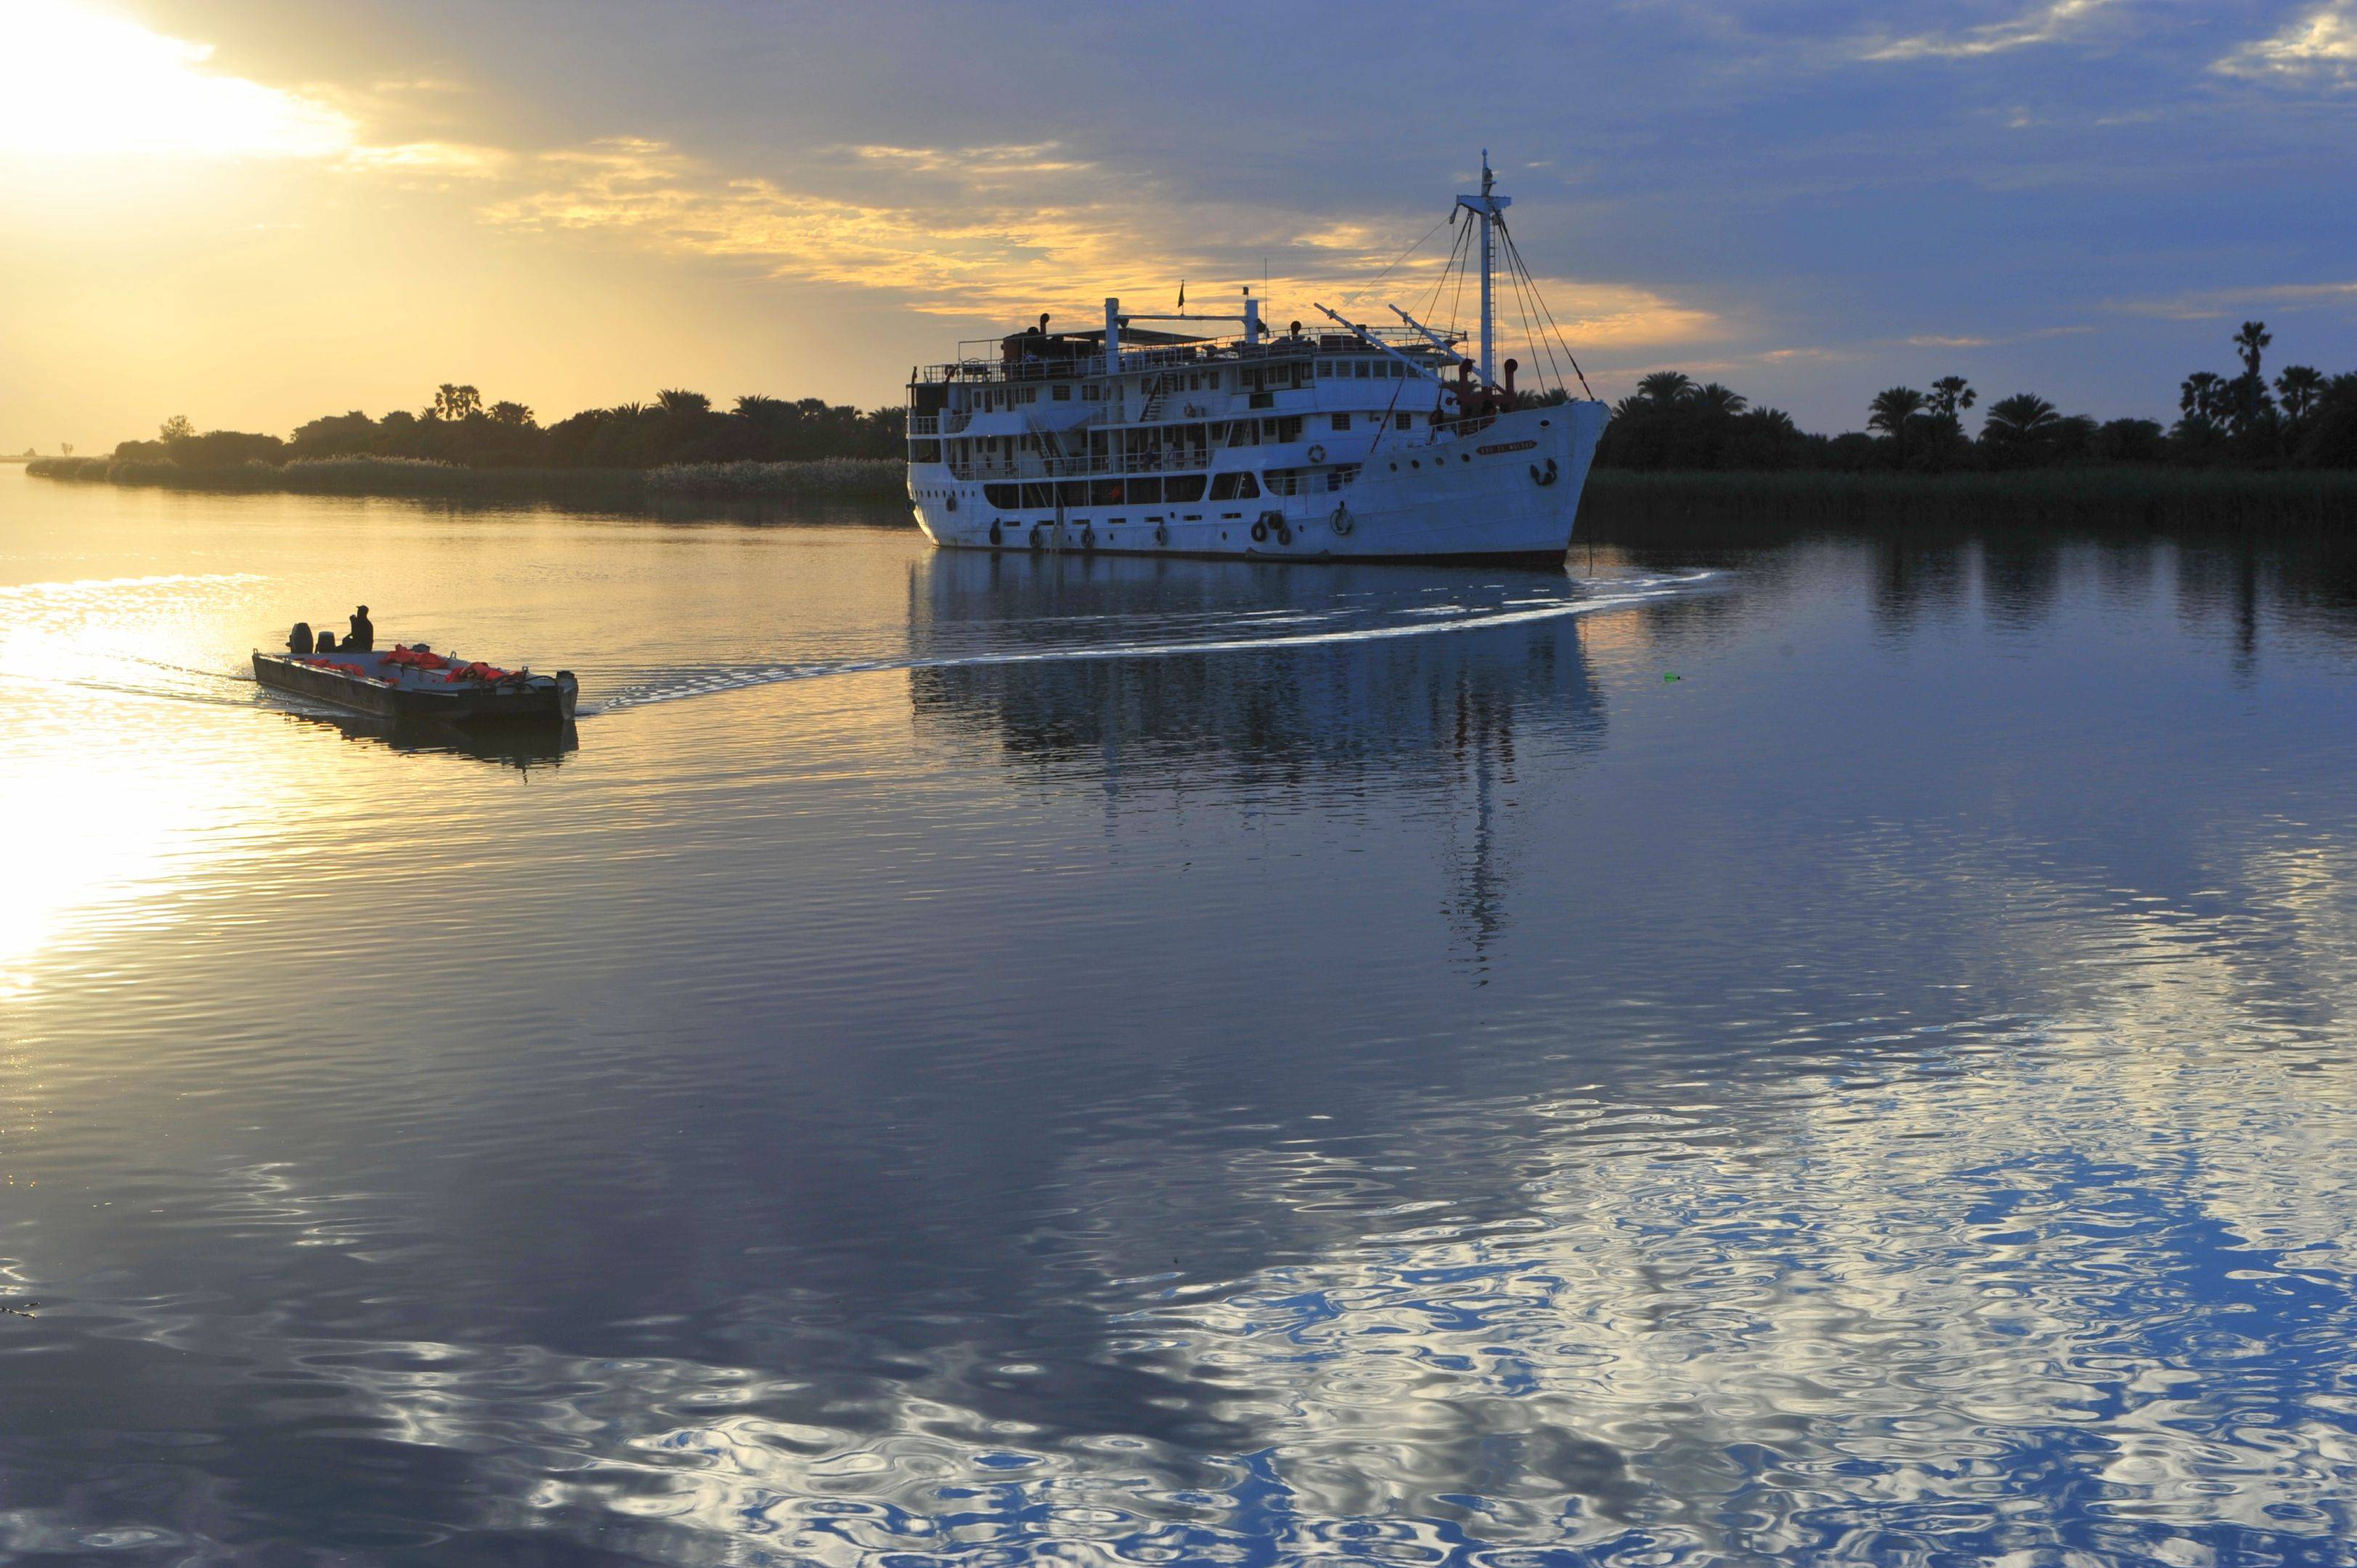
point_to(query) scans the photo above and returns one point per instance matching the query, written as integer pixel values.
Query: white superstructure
(1348, 441)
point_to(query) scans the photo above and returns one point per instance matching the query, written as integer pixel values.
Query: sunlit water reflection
(1830, 1052)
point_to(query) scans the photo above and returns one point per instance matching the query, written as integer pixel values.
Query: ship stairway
(1155, 396)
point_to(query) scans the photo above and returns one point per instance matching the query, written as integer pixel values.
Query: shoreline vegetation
(2246, 452)
(2090, 498)
(847, 479)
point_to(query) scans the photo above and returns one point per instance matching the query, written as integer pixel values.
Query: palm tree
(1714, 398)
(753, 405)
(1951, 395)
(676, 401)
(1892, 408)
(2024, 416)
(2299, 386)
(627, 410)
(455, 403)
(1774, 421)
(2202, 396)
(1666, 386)
(511, 414)
(2250, 343)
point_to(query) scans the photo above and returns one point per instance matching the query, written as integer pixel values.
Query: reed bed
(823, 479)
(85, 470)
(826, 477)
(2141, 499)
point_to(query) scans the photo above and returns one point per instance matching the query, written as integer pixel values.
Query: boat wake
(1418, 620)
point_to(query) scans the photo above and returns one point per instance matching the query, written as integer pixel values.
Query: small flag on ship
(1182, 294)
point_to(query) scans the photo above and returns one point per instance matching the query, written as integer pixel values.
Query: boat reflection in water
(522, 746)
(1319, 688)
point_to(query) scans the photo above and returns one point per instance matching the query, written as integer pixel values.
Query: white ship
(1350, 442)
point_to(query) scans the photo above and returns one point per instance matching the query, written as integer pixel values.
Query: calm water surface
(1831, 1052)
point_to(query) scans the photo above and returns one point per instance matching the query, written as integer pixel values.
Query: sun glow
(82, 83)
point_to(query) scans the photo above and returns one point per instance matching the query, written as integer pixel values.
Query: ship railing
(1449, 429)
(1188, 461)
(1318, 481)
(991, 368)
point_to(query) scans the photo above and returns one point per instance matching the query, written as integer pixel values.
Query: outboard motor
(298, 642)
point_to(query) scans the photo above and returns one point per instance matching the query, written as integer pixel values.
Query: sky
(255, 212)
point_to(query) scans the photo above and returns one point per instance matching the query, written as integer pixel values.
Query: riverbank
(823, 478)
(2108, 499)
(1615, 501)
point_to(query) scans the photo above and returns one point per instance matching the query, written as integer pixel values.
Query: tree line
(458, 427)
(2302, 419)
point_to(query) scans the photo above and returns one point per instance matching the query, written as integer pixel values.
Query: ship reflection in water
(1337, 712)
(1005, 1061)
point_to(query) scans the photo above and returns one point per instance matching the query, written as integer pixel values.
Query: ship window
(1063, 394)
(1341, 422)
(1007, 496)
(1364, 369)
(1183, 488)
(1089, 395)
(1325, 368)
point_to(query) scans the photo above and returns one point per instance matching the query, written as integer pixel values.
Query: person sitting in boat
(298, 642)
(361, 639)
(327, 643)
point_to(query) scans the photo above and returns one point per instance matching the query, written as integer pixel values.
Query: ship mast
(1488, 208)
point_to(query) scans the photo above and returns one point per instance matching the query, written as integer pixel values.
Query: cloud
(1933, 341)
(2213, 305)
(2323, 45)
(2045, 25)
(976, 163)
(1054, 233)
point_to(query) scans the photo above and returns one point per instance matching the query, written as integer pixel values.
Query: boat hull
(1506, 492)
(541, 699)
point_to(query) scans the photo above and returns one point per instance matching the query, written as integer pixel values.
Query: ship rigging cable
(1540, 328)
(1514, 256)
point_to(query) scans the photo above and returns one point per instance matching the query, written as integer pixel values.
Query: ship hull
(1506, 492)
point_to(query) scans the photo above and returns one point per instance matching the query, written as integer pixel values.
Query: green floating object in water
(1668, 677)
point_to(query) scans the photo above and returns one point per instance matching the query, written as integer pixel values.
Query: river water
(1834, 1051)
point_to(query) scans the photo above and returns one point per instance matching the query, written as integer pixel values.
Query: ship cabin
(1037, 421)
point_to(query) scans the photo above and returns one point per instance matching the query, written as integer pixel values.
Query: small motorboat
(406, 683)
